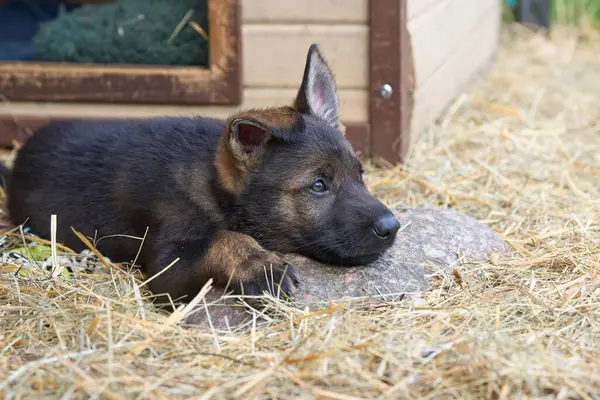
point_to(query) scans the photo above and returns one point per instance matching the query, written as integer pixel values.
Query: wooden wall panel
(353, 106)
(418, 7)
(442, 30)
(305, 11)
(275, 54)
(474, 53)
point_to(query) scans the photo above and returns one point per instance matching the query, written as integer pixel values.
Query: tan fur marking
(276, 118)
(230, 177)
(238, 256)
(287, 208)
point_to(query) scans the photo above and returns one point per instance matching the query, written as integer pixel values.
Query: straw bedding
(520, 151)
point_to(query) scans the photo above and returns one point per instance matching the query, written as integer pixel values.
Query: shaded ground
(520, 152)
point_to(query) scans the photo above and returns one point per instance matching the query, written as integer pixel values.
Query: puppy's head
(298, 182)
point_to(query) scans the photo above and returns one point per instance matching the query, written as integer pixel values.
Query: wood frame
(391, 63)
(220, 83)
(385, 137)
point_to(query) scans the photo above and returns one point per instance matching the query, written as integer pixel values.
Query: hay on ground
(520, 151)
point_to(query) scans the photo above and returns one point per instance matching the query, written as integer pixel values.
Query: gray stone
(430, 240)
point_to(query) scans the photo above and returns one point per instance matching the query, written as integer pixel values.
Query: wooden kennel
(398, 64)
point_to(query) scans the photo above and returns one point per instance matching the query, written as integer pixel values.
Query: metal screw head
(386, 90)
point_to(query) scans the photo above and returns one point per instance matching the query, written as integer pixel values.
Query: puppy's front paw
(267, 272)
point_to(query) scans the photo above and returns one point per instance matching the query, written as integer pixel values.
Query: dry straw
(520, 151)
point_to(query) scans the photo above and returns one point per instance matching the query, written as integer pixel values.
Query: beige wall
(452, 40)
(276, 38)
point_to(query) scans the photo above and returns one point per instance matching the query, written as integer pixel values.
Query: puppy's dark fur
(225, 197)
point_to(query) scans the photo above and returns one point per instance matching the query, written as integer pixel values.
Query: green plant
(572, 11)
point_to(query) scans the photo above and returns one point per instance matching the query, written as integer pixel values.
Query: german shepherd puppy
(225, 197)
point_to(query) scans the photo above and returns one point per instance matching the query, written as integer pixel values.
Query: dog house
(398, 64)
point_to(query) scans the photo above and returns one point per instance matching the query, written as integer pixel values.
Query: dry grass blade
(56, 269)
(40, 241)
(92, 248)
(184, 310)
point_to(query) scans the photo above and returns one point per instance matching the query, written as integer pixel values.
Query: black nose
(386, 226)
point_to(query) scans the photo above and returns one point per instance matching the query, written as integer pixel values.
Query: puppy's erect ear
(318, 95)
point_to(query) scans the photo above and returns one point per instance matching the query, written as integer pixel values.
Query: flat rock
(429, 240)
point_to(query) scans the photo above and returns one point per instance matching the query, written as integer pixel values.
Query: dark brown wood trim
(221, 83)
(227, 55)
(359, 135)
(19, 129)
(390, 64)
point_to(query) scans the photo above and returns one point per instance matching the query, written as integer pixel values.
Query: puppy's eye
(319, 186)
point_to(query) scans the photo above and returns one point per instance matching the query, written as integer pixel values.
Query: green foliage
(126, 32)
(508, 16)
(568, 12)
(572, 11)
(38, 253)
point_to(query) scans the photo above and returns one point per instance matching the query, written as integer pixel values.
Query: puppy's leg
(228, 258)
